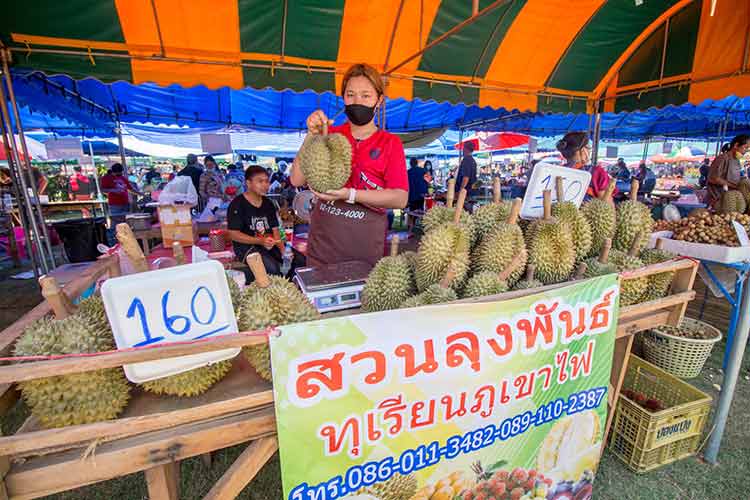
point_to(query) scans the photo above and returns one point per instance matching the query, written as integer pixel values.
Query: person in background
(80, 185)
(417, 185)
(576, 150)
(646, 179)
(724, 173)
(151, 174)
(280, 175)
(193, 170)
(211, 184)
(117, 187)
(41, 180)
(234, 181)
(466, 175)
(253, 222)
(704, 168)
(623, 172)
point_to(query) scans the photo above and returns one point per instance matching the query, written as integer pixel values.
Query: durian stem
(496, 191)
(515, 210)
(530, 270)
(459, 206)
(325, 128)
(582, 267)
(131, 248)
(58, 301)
(547, 200)
(505, 273)
(450, 274)
(559, 189)
(255, 263)
(394, 245)
(604, 254)
(635, 246)
(659, 243)
(634, 189)
(451, 193)
(178, 253)
(607, 196)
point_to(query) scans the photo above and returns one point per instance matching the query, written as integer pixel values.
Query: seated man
(253, 222)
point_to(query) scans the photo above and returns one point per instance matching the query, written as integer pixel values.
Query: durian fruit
(190, 383)
(658, 284)
(270, 301)
(602, 218)
(489, 283)
(501, 245)
(440, 215)
(488, 217)
(446, 247)
(235, 293)
(437, 293)
(397, 487)
(91, 311)
(529, 281)
(599, 266)
(79, 398)
(551, 247)
(631, 290)
(389, 283)
(732, 201)
(326, 161)
(634, 222)
(578, 226)
(744, 187)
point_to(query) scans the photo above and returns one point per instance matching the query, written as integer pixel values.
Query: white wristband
(352, 195)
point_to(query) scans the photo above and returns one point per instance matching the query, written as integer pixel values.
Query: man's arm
(240, 237)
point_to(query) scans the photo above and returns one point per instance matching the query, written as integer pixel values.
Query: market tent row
(532, 55)
(95, 107)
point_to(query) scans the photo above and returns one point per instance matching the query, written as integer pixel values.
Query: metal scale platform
(333, 287)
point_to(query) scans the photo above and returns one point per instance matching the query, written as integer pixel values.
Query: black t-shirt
(253, 221)
(417, 185)
(467, 168)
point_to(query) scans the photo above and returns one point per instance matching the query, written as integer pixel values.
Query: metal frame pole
(122, 148)
(96, 174)
(730, 379)
(23, 186)
(597, 134)
(25, 149)
(645, 149)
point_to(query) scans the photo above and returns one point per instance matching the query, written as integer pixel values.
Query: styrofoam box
(703, 251)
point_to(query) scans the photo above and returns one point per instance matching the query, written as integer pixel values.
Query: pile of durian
(487, 253)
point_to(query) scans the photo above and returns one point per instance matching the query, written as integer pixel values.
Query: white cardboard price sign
(741, 234)
(575, 184)
(177, 304)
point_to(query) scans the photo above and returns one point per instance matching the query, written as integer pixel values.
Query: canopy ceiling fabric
(531, 55)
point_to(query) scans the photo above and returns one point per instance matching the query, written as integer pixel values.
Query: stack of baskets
(683, 350)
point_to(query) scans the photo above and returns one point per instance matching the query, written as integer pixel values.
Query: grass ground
(688, 479)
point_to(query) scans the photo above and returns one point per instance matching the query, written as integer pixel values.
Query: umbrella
(493, 141)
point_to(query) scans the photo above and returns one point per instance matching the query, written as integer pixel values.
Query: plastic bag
(179, 190)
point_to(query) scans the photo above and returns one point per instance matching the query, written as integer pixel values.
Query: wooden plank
(163, 481)
(683, 281)
(655, 305)
(241, 390)
(68, 470)
(244, 469)
(619, 367)
(676, 265)
(641, 323)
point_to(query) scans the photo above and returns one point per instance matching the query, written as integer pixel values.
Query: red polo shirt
(378, 162)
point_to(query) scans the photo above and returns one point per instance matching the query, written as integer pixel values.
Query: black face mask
(359, 114)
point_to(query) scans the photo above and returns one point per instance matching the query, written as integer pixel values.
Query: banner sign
(469, 401)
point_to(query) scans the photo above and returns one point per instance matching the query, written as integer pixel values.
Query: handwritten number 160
(171, 322)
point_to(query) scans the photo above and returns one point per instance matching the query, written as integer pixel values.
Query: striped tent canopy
(530, 55)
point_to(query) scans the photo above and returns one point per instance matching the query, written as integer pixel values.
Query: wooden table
(145, 235)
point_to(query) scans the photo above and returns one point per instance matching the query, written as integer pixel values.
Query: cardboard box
(703, 251)
(177, 225)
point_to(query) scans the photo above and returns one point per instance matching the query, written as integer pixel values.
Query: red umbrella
(492, 141)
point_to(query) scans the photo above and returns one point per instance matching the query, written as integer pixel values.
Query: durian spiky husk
(580, 230)
(498, 248)
(732, 201)
(326, 161)
(443, 247)
(525, 284)
(595, 268)
(79, 398)
(388, 285)
(281, 303)
(397, 487)
(551, 251)
(602, 219)
(631, 290)
(235, 293)
(488, 217)
(440, 215)
(191, 383)
(435, 294)
(91, 311)
(658, 284)
(744, 187)
(484, 283)
(633, 221)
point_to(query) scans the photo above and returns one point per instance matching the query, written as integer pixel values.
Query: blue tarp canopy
(70, 107)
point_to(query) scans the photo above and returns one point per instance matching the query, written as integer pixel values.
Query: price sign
(741, 234)
(177, 304)
(575, 184)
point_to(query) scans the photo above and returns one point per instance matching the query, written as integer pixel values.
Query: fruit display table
(154, 233)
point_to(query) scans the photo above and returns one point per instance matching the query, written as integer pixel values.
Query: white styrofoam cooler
(703, 251)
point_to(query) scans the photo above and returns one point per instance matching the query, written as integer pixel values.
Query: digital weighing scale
(335, 286)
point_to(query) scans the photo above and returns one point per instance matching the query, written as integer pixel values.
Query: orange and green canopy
(531, 55)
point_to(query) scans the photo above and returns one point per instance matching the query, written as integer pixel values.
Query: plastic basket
(679, 356)
(645, 440)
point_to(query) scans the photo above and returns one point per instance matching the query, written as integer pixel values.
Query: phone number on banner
(412, 460)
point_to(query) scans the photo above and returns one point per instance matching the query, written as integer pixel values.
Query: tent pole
(20, 203)
(122, 148)
(730, 379)
(645, 149)
(32, 182)
(597, 134)
(96, 174)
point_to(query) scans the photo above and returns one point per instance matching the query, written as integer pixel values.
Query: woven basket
(679, 356)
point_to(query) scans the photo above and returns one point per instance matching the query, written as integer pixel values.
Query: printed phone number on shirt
(338, 212)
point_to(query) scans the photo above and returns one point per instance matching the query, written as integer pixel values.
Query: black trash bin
(81, 236)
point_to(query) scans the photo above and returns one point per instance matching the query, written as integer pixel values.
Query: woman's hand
(333, 195)
(316, 120)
